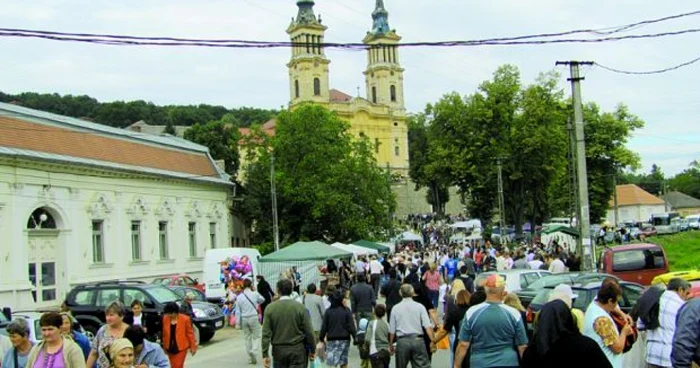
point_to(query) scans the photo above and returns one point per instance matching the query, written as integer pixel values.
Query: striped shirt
(660, 340)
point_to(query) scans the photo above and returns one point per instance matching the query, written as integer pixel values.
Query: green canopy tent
(307, 257)
(564, 235)
(372, 245)
(306, 251)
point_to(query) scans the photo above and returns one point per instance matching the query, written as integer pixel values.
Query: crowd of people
(431, 296)
(117, 344)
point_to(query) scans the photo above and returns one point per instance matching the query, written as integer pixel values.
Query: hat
(495, 281)
(565, 289)
(118, 345)
(564, 293)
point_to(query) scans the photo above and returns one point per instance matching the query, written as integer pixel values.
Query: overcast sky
(669, 103)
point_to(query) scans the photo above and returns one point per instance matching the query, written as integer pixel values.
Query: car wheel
(206, 335)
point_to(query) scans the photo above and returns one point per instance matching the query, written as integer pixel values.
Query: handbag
(444, 344)
(620, 322)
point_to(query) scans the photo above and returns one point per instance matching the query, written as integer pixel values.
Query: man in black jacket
(391, 291)
(362, 299)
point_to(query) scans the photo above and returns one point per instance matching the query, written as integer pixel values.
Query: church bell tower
(384, 75)
(308, 67)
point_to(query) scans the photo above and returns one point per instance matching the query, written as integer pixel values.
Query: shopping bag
(444, 344)
(318, 363)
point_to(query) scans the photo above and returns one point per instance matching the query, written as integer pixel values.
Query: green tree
(329, 186)
(222, 141)
(688, 181)
(422, 173)
(169, 129)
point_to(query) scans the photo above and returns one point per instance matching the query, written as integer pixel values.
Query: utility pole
(587, 248)
(501, 202)
(614, 180)
(273, 190)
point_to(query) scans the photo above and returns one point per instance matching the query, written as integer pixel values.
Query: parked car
(5, 317)
(693, 222)
(33, 317)
(526, 295)
(87, 303)
(685, 275)
(694, 289)
(585, 294)
(648, 231)
(638, 263)
(516, 279)
(179, 280)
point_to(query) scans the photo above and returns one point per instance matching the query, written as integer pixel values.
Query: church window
(317, 87)
(396, 151)
(308, 43)
(296, 89)
(374, 94)
(376, 145)
(392, 91)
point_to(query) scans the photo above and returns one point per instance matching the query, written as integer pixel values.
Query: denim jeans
(434, 295)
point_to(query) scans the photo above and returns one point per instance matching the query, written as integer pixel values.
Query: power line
(648, 72)
(120, 40)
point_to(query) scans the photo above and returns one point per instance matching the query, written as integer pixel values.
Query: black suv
(87, 303)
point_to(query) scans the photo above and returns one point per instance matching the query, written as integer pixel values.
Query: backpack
(361, 339)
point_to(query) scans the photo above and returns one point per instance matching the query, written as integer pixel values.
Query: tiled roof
(338, 96)
(59, 136)
(632, 195)
(679, 200)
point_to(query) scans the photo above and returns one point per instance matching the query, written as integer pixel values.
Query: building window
(396, 151)
(376, 145)
(136, 240)
(212, 235)
(192, 236)
(374, 94)
(317, 87)
(296, 89)
(163, 240)
(392, 91)
(98, 246)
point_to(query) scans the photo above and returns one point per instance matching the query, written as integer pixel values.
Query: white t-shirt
(375, 267)
(557, 266)
(535, 265)
(138, 320)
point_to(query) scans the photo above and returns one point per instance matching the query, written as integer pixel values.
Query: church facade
(381, 115)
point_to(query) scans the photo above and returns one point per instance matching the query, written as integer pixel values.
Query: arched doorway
(43, 248)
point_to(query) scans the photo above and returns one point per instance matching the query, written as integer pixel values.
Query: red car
(638, 263)
(179, 280)
(694, 289)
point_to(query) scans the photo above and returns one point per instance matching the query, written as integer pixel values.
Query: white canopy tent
(471, 224)
(409, 236)
(354, 249)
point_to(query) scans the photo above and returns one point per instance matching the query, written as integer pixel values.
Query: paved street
(227, 348)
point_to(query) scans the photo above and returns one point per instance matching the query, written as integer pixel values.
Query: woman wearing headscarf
(121, 354)
(558, 342)
(265, 290)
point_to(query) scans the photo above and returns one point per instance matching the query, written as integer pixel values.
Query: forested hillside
(121, 113)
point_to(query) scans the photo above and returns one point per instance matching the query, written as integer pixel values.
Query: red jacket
(184, 334)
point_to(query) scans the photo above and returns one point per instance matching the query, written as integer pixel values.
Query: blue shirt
(152, 355)
(494, 331)
(82, 341)
(9, 360)
(451, 266)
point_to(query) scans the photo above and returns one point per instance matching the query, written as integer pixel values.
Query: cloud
(668, 102)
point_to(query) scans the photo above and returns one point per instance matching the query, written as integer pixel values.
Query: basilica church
(381, 115)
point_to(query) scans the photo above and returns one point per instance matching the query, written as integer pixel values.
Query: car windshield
(163, 295)
(549, 281)
(197, 295)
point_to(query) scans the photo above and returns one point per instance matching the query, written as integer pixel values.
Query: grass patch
(682, 249)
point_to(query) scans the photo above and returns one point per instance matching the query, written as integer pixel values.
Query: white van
(225, 265)
(693, 222)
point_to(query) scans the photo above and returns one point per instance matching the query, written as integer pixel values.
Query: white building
(82, 202)
(634, 204)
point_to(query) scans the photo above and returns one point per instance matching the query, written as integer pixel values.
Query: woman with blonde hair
(512, 300)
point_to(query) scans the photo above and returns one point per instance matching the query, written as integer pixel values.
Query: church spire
(381, 19)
